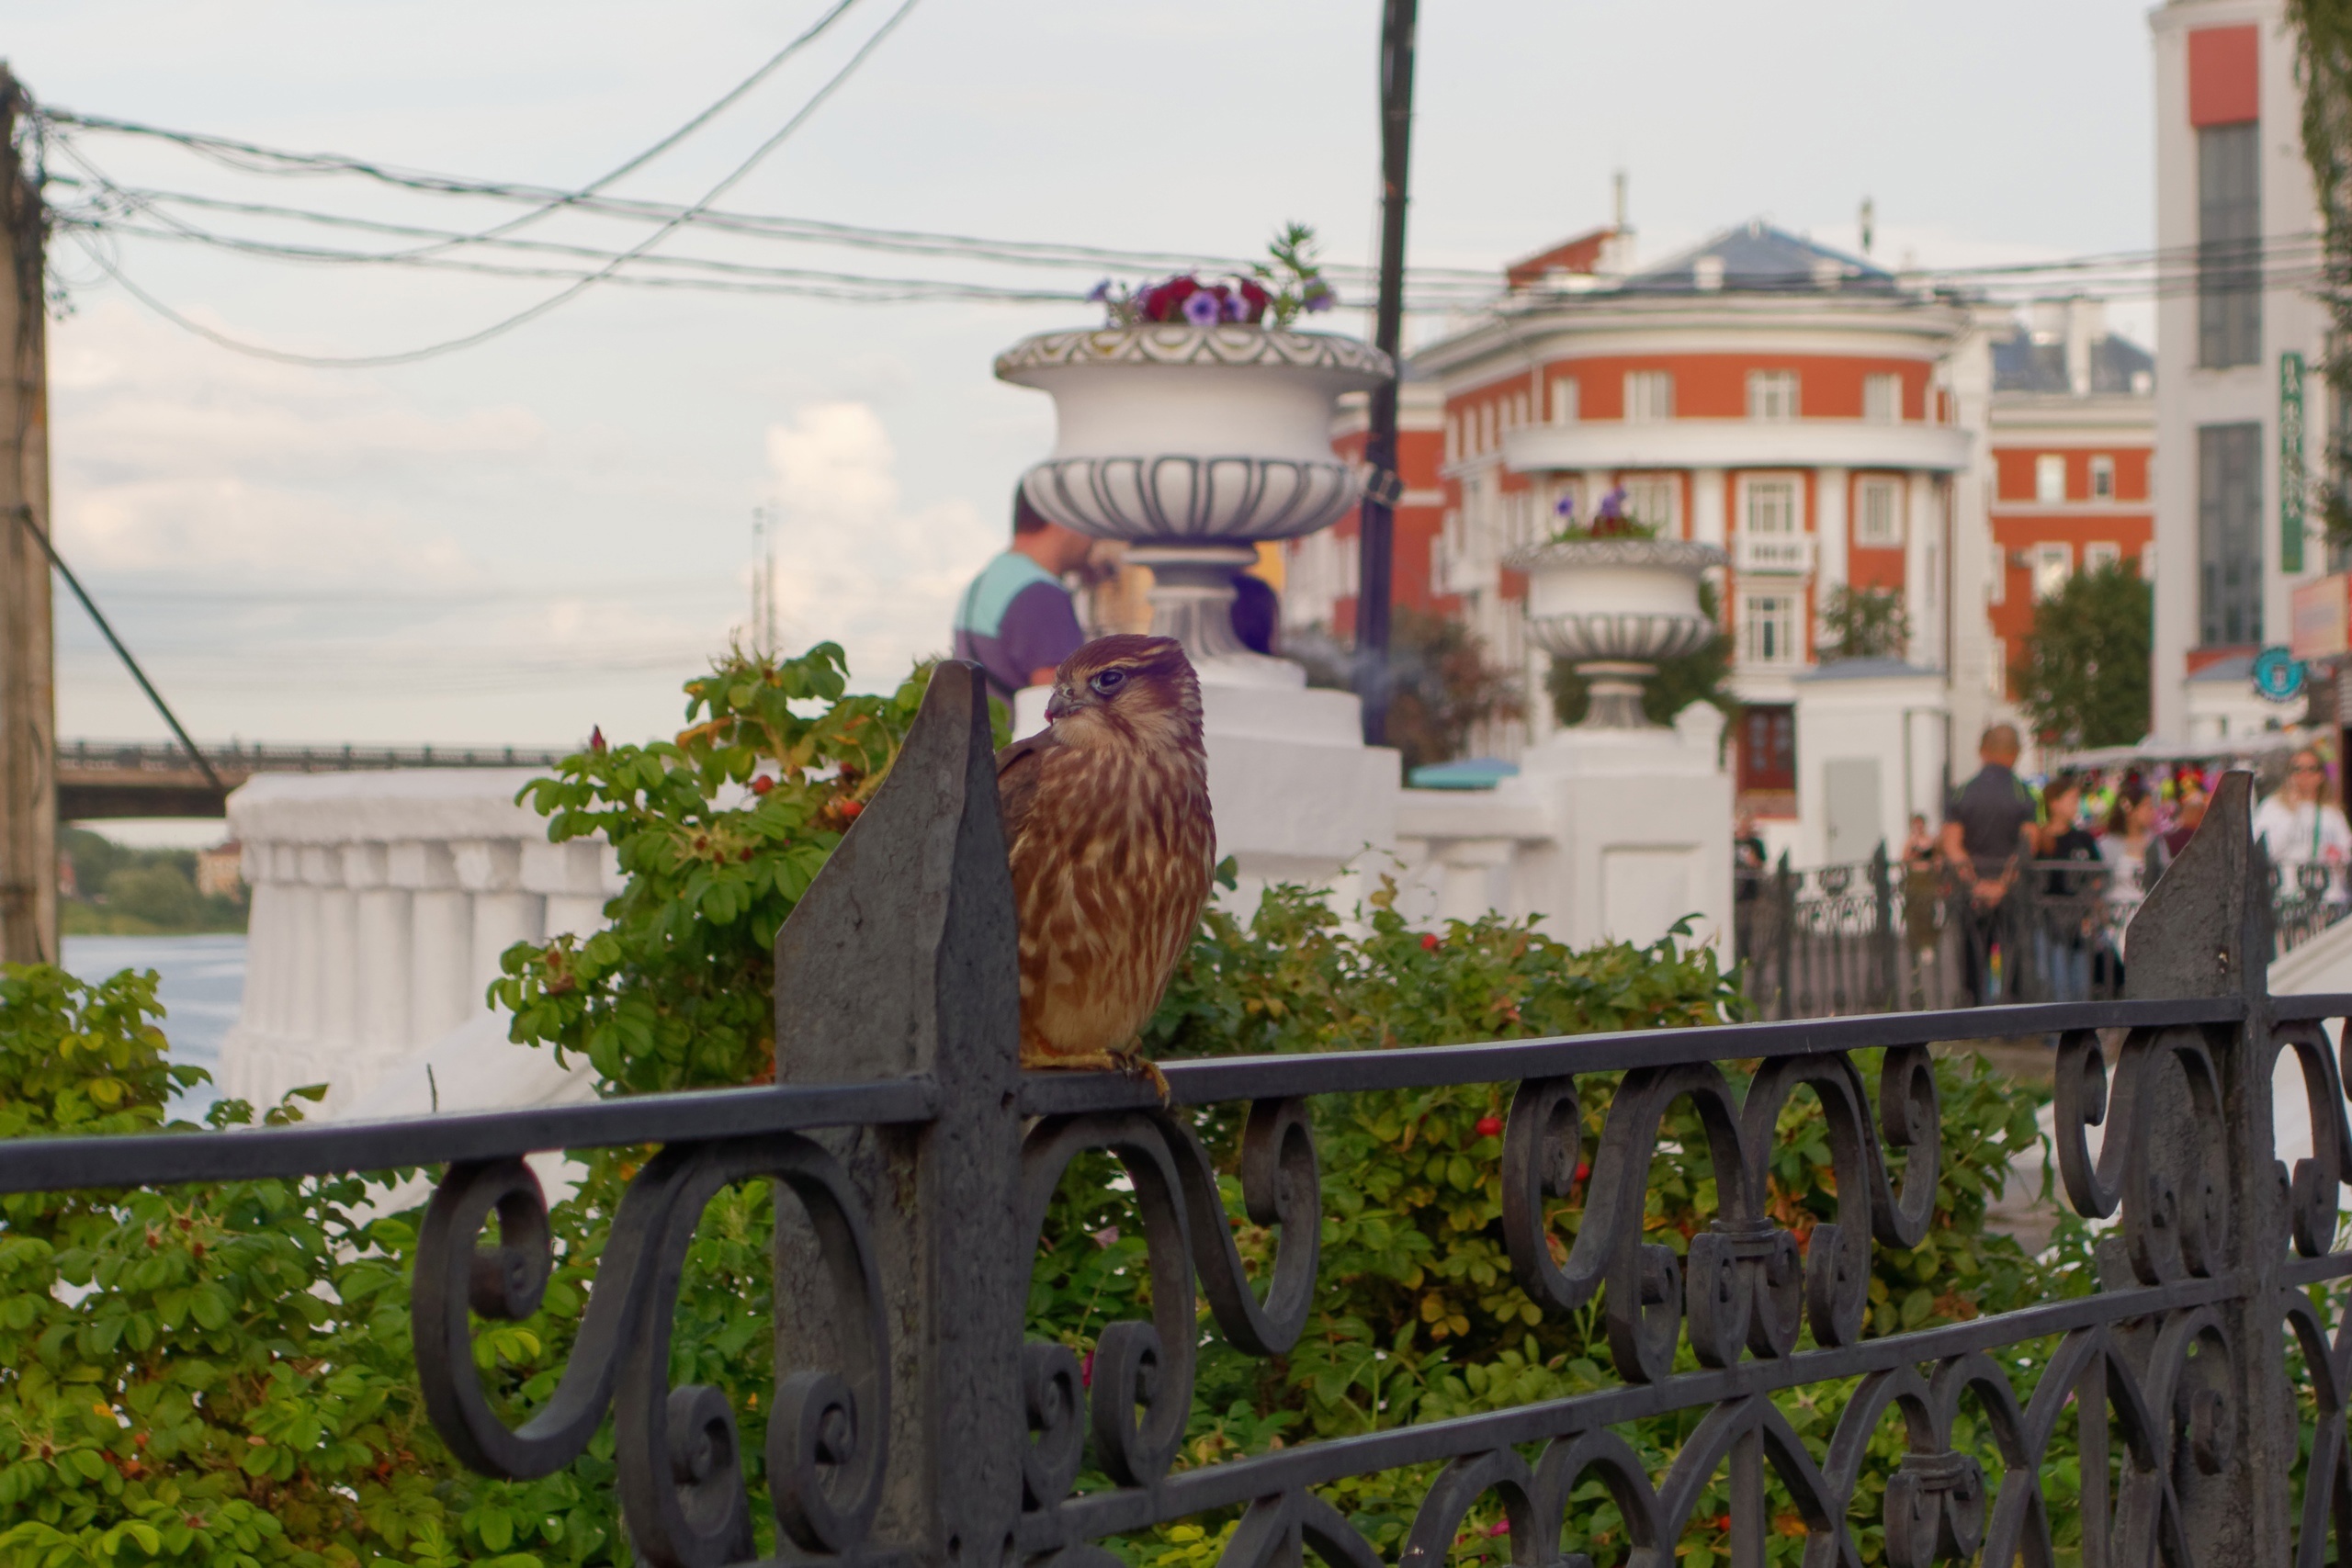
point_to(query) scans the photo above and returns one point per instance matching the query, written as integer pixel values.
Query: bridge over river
(113, 779)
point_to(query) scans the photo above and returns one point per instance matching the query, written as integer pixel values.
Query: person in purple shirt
(1017, 621)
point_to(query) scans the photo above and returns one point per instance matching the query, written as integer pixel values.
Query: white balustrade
(381, 903)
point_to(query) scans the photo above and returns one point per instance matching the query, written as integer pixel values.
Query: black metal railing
(911, 1423)
(1882, 936)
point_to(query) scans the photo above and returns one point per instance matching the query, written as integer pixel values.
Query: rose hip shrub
(719, 831)
(1419, 1317)
(221, 1374)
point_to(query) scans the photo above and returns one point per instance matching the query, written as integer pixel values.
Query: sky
(509, 544)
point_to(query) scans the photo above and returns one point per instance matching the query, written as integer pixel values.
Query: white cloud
(172, 456)
(855, 564)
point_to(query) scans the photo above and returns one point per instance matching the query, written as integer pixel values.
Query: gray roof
(2021, 364)
(2236, 667)
(1758, 258)
(1863, 669)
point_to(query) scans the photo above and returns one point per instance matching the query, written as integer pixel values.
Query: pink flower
(1086, 1371)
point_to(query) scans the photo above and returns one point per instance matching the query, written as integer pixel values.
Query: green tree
(1863, 623)
(2323, 31)
(2085, 678)
(1702, 675)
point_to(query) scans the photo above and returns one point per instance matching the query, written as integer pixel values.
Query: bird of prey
(1106, 819)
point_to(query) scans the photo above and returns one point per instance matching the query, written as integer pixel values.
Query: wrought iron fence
(1883, 937)
(911, 1424)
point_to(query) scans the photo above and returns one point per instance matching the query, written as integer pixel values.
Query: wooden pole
(1376, 516)
(28, 649)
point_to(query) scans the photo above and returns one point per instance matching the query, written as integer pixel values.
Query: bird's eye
(1109, 681)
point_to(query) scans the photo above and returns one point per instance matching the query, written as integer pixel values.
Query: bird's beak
(1057, 706)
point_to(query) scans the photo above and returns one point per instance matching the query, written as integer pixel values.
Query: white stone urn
(1613, 607)
(1192, 443)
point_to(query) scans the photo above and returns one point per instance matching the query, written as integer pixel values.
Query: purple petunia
(1100, 292)
(1566, 509)
(1319, 298)
(1202, 309)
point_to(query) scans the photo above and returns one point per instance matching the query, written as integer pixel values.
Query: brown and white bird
(1106, 816)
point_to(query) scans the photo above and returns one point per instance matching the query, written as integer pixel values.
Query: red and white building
(1826, 421)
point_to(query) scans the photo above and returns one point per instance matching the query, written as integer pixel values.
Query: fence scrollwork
(915, 1424)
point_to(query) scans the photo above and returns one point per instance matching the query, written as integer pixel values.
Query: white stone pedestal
(1871, 737)
(1608, 834)
(1298, 796)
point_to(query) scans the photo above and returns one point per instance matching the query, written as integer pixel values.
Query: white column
(381, 988)
(306, 998)
(336, 1036)
(441, 936)
(1921, 533)
(504, 914)
(1829, 486)
(570, 878)
(1708, 510)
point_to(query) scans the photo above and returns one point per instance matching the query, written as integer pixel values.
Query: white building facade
(2241, 405)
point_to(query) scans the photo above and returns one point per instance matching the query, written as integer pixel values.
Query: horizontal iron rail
(1211, 1079)
(163, 1159)
(31, 1165)
(1315, 1464)
(2312, 1005)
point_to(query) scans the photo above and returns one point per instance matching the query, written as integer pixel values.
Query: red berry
(1428, 942)
(1490, 1126)
(762, 784)
(849, 809)
(747, 853)
(1583, 1168)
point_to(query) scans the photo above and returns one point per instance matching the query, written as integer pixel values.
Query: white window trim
(1637, 414)
(2102, 469)
(1663, 481)
(1795, 482)
(1752, 620)
(2045, 464)
(1892, 490)
(2053, 559)
(2101, 552)
(1760, 381)
(1893, 382)
(1567, 397)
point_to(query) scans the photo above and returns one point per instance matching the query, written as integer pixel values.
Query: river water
(200, 980)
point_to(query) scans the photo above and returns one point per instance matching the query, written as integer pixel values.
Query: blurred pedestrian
(1017, 621)
(2129, 850)
(2069, 907)
(2299, 828)
(1988, 834)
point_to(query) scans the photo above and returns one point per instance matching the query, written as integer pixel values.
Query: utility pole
(28, 649)
(1376, 516)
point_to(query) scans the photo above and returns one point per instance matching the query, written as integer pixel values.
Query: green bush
(222, 1374)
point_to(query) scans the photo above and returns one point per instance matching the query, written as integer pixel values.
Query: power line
(579, 286)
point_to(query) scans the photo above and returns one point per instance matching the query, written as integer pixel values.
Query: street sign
(2278, 675)
(2292, 481)
(2322, 617)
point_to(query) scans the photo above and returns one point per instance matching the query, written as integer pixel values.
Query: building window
(1883, 399)
(2229, 535)
(1771, 507)
(2054, 563)
(2049, 476)
(2229, 244)
(1772, 394)
(1649, 395)
(1655, 502)
(2102, 479)
(1767, 628)
(1454, 438)
(1878, 515)
(1565, 400)
(1768, 748)
(2100, 556)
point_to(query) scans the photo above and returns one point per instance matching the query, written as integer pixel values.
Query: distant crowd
(2022, 883)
